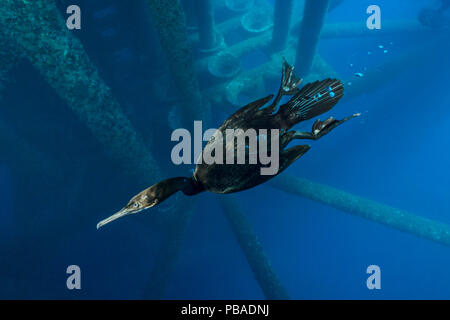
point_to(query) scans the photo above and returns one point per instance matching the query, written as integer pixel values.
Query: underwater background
(86, 118)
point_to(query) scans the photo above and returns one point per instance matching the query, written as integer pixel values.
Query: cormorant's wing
(251, 107)
(244, 114)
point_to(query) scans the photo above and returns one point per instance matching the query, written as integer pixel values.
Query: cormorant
(310, 101)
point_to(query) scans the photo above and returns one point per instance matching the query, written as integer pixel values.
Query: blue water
(396, 153)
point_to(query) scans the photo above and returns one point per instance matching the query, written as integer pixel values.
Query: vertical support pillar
(191, 15)
(253, 251)
(282, 22)
(206, 24)
(311, 26)
(170, 23)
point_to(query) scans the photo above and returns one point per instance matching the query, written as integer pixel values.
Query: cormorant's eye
(135, 204)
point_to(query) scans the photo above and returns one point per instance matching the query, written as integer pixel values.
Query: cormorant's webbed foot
(289, 85)
(289, 81)
(321, 128)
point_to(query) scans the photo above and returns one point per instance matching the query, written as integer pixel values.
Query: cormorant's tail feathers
(289, 156)
(315, 98)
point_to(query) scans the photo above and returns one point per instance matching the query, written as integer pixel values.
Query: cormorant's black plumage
(308, 102)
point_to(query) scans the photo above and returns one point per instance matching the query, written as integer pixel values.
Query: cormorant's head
(150, 197)
(143, 200)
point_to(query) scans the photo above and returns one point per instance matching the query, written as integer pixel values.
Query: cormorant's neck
(189, 186)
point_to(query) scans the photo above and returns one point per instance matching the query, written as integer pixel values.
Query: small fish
(349, 83)
(381, 46)
(359, 75)
(385, 51)
(351, 65)
(369, 53)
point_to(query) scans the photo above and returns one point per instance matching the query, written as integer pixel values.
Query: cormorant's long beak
(115, 216)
